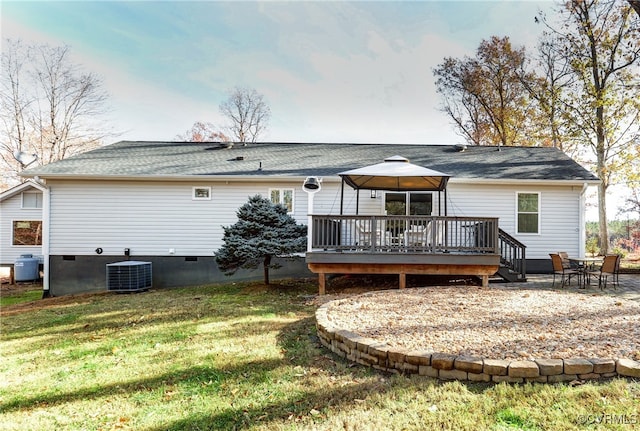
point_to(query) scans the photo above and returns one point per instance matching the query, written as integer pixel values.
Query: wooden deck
(403, 245)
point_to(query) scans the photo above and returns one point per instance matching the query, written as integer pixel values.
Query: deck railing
(420, 234)
(513, 254)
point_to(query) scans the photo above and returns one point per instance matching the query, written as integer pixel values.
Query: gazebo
(401, 244)
(394, 174)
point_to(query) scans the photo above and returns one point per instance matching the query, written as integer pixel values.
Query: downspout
(46, 223)
(582, 233)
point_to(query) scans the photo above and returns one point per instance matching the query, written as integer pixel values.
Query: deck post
(402, 280)
(321, 283)
(485, 281)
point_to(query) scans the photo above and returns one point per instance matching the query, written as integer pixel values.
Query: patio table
(584, 265)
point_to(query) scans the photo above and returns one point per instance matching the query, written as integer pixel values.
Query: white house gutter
(583, 222)
(46, 223)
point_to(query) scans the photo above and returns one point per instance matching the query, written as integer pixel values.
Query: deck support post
(321, 283)
(485, 281)
(402, 280)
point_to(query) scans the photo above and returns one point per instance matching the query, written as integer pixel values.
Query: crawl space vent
(129, 276)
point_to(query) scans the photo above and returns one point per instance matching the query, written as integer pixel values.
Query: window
(282, 197)
(201, 193)
(27, 232)
(31, 200)
(528, 212)
(419, 203)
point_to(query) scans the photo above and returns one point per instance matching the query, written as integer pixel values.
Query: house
(21, 226)
(167, 202)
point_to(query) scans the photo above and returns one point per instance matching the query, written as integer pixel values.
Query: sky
(330, 71)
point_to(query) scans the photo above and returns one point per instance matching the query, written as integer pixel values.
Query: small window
(31, 200)
(528, 213)
(201, 194)
(27, 232)
(283, 197)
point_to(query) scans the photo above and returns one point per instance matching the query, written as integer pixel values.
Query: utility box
(129, 276)
(26, 268)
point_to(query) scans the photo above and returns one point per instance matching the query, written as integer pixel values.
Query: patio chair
(610, 267)
(380, 237)
(418, 235)
(565, 273)
(565, 259)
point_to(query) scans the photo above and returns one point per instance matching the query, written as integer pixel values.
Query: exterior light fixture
(311, 184)
(373, 194)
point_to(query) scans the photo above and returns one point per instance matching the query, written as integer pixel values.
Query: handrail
(512, 254)
(421, 234)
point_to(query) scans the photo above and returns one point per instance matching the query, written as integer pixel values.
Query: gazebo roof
(395, 174)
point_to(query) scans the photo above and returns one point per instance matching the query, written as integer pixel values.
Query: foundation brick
(578, 366)
(602, 366)
(523, 369)
(550, 367)
(482, 377)
(589, 376)
(417, 357)
(628, 368)
(452, 374)
(397, 356)
(442, 361)
(507, 379)
(495, 367)
(539, 379)
(562, 378)
(428, 370)
(410, 368)
(469, 364)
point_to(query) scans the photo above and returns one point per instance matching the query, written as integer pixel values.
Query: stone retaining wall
(367, 351)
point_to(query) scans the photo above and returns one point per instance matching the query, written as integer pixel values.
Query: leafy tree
(484, 95)
(49, 106)
(248, 113)
(203, 132)
(263, 230)
(600, 40)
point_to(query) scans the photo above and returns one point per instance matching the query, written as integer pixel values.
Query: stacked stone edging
(445, 366)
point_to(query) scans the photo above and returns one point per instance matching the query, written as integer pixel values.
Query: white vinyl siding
(11, 211)
(151, 218)
(559, 213)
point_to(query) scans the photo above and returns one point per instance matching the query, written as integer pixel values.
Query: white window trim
(539, 213)
(293, 196)
(195, 197)
(31, 193)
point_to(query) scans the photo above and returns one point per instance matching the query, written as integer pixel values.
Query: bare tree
(248, 113)
(50, 107)
(203, 132)
(599, 38)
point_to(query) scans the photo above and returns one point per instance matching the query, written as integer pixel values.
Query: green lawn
(244, 357)
(11, 298)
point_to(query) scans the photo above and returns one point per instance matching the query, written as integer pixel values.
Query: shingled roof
(129, 159)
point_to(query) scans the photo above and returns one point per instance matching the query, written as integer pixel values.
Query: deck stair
(512, 258)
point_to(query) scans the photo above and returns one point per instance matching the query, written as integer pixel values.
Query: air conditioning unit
(129, 276)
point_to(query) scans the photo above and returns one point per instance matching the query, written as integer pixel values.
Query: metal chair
(610, 267)
(559, 269)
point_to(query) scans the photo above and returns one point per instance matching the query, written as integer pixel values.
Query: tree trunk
(267, 262)
(604, 184)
